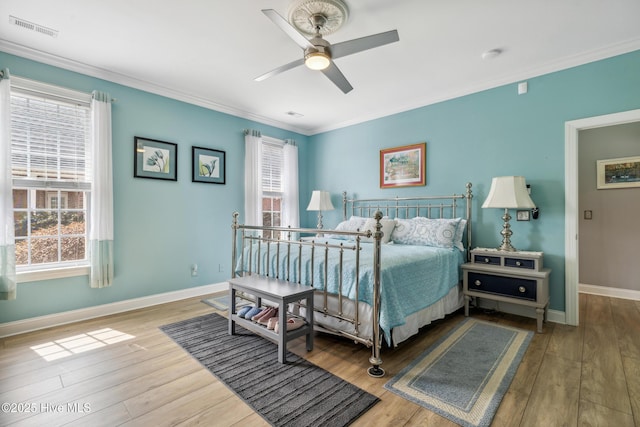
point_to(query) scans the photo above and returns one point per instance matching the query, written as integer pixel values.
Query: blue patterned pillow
(419, 231)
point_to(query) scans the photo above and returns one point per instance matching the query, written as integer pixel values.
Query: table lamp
(508, 192)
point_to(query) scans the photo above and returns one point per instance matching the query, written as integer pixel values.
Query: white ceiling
(208, 52)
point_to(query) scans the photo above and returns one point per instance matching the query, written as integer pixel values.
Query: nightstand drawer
(484, 259)
(506, 286)
(519, 263)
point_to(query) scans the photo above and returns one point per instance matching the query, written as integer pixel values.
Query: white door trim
(571, 263)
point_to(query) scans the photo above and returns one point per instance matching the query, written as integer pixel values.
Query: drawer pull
(522, 289)
(487, 260)
(518, 263)
(477, 283)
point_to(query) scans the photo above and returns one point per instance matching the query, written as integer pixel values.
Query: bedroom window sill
(53, 273)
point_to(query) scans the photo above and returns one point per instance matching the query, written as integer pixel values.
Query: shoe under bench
(278, 291)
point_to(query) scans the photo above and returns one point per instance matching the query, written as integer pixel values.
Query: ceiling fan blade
(358, 45)
(287, 28)
(335, 75)
(280, 69)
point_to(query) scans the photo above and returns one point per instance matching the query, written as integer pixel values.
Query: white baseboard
(609, 292)
(42, 322)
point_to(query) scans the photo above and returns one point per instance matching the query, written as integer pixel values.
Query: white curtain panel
(7, 237)
(101, 224)
(253, 178)
(291, 206)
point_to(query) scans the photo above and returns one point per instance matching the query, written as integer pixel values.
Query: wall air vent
(33, 27)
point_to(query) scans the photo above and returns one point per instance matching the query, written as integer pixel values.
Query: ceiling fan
(318, 17)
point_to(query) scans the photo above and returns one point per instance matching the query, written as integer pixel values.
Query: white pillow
(387, 229)
(354, 223)
(420, 231)
(457, 240)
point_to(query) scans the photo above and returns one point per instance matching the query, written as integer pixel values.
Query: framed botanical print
(208, 165)
(155, 159)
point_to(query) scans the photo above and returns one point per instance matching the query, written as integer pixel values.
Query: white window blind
(272, 167)
(49, 142)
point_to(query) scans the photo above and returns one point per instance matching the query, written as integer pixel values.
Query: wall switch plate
(588, 214)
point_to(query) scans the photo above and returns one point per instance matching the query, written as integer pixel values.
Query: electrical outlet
(194, 270)
(220, 269)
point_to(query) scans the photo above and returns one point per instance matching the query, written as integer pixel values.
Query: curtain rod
(258, 134)
(3, 73)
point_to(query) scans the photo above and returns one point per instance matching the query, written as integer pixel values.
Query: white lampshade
(508, 192)
(320, 201)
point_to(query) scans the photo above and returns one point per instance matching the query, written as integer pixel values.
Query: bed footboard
(286, 253)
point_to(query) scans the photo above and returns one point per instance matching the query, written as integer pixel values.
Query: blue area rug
(465, 374)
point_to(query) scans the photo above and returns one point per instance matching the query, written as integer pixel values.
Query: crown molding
(122, 79)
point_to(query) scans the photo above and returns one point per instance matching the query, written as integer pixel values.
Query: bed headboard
(449, 206)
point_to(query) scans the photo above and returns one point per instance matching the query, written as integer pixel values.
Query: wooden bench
(277, 291)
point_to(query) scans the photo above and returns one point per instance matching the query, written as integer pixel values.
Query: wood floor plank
(392, 410)
(626, 319)
(231, 411)
(592, 414)
(632, 373)
(567, 341)
(184, 407)
(597, 311)
(153, 355)
(29, 391)
(555, 394)
(603, 378)
(113, 415)
(168, 392)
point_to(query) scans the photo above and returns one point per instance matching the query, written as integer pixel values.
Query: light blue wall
(161, 227)
(476, 137)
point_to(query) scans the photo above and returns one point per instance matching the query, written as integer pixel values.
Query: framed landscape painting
(208, 165)
(403, 166)
(155, 159)
(618, 173)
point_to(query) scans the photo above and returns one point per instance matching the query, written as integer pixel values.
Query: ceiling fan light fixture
(317, 60)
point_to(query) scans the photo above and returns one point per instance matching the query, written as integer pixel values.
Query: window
(272, 182)
(50, 159)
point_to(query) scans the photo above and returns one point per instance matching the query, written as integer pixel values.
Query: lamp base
(506, 234)
(506, 247)
(319, 226)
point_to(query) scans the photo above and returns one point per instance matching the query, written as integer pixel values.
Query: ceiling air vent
(33, 27)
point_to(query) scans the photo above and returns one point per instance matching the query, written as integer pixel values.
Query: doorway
(572, 129)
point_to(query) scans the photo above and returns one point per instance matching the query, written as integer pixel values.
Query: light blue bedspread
(412, 277)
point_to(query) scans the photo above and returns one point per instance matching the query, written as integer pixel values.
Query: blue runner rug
(465, 374)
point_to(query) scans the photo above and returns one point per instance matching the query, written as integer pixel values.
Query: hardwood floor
(122, 370)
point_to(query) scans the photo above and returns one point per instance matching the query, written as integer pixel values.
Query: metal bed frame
(288, 240)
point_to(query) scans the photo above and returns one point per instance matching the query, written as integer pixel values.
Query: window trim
(52, 273)
(66, 95)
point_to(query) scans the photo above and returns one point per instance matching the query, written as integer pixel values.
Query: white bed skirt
(448, 304)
